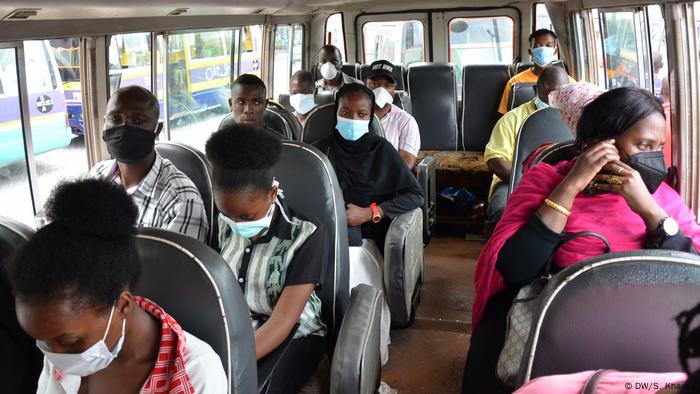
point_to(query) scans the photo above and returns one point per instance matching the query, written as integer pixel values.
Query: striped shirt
(166, 198)
(290, 253)
(401, 129)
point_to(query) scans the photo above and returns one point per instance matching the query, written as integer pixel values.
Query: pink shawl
(606, 214)
(613, 382)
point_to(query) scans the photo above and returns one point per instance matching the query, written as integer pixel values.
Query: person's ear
(159, 128)
(125, 304)
(529, 50)
(273, 193)
(230, 103)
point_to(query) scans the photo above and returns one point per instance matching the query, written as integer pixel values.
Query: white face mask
(382, 97)
(96, 358)
(328, 71)
(302, 103)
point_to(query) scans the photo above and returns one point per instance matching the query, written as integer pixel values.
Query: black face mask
(651, 166)
(128, 144)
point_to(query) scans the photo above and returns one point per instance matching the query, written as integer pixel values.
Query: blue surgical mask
(302, 103)
(352, 129)
(251, 228)
(540, 104)
(542, 56)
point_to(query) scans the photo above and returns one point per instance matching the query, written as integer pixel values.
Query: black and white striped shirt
(166, 198)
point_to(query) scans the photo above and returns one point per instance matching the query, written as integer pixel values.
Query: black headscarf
(369, 167)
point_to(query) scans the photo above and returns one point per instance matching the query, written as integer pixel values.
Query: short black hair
(86, 254)
(614, 112)
(351, 88)
(542, 32)
(688, 347)
(250, 80)
(139, 93)
(329, 47)
(243, 158)
(304, 76)
(552, 76)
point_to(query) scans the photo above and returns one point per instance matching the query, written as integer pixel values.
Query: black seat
(432, 88)
(275, 118)
(195, 165)
(321, 122)
(543, 126)
(482, 87)
(558, 152)
(193, 284)
(614, 311)
(522, 66)
(21, 362)
(351, 69)
(520, 93)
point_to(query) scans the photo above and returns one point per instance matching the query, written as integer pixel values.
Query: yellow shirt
(502, 142)
(525, 76)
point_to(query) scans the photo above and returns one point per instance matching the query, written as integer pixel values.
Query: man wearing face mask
(400, 128)
(301, 94)
(544, 49)
(329, 62)
(166, 198)
(501, 147)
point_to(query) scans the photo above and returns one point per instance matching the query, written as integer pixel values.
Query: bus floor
(429, 356)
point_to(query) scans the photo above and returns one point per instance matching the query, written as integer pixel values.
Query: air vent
(178, 11)
(259, 10)
(21, 14)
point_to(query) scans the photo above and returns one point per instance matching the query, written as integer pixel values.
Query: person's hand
(624, 180)
(357, 215)
(590, 163)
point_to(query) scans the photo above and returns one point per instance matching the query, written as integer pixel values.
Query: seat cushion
(458, 161)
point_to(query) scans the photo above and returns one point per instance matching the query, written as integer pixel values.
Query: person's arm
(283, 318)
(501, 168)
(408, 158)
(189, 217)
(406, 201)
(409, 141)
(501, 146)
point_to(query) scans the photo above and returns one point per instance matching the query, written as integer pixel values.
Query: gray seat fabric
(321, 122)
(351, 69)
(427, 179)
(400, 76)
(522, 66)
(520, 93)
(482, 89)
(543, 126)
(283, 99)
(192, 283)
(554, 154)
(613, 311)
(356, 365)
(311, 190)
(432, 87)
(276, 119)
(403, 101)
(195, 165)
(403, 267)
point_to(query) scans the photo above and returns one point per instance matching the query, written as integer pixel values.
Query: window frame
(342, 27)
(449, 41)
(407, 19)
(290, 64)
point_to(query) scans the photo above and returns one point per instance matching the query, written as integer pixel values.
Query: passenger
(73, 285)
(301, 94)
(166, 198)
(544, 49)
(400, 128)
(501, 147)
(276, 255)
(657, 65)
(615, 187)
(329, 65)
(377, 187)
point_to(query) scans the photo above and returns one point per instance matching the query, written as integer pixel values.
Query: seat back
(543, 126)
(321, 122)
(520, 93)
(403, 101)
(283, 99)
(351, 69)
(558, 152)
(356, 365)
(433, 91)
(399, 69)
(195, 165)
(482, 89)
(614, 311)
(311, 190)
(193, 283)
(275, 118)
(522, 66)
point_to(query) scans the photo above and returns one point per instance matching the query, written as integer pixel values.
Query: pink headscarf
(606, 214)
(570, 100)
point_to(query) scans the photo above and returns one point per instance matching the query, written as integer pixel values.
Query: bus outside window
(542, 20)
(130, 61)
(334, 29)
(623, 66)
(289, 40)
(400, 42)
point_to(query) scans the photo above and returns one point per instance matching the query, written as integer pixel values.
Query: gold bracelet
(557, 207)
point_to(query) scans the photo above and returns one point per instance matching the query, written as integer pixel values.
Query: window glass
(620, 50)
(542, 20)
(130, 60)
(288, 56)
(199, 69)
(250, 50)
(335, 33)
(59, 149)
(15, 195)
(400, 42)
(599, 47)
(660, 76)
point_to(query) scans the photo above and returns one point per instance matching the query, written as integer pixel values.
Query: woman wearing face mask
(72, 284)
(275, 255)
(377, 187)
(614, 187)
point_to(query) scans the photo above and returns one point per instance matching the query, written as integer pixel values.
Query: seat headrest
(482, 89)
(193, 284)
(520, 93)
(556, 153)
(321, 122)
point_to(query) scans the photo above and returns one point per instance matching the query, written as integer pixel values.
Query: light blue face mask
(251, 228)
(352, 129)
(540, 104)
(542, 56)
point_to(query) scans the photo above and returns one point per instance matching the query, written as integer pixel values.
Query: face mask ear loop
(109, 322)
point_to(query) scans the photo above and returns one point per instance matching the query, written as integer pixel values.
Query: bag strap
(592, 382)
(570, 237)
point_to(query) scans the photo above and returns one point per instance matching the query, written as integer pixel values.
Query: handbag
(520, 316)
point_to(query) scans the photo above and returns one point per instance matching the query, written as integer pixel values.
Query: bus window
(67, 55)
(288, 56)
(199, 69)
(250, 51)
(622, 49)
(335, 33)
(542, 20)
(400, 42)
(659, 66)
(130, 60)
